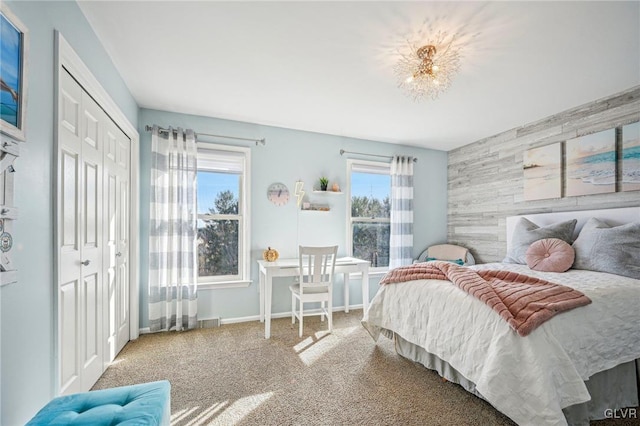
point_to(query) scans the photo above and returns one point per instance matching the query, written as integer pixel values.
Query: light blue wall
(27, 336)
(28, 357)
(291, 155)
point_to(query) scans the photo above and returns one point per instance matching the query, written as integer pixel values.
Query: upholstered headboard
(614, 217)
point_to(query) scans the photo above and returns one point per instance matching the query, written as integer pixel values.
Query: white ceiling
(328, 66)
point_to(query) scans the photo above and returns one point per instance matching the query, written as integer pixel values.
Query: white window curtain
(173, 269)
(401, 242)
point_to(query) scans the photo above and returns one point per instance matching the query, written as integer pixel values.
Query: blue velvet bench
(143, 404)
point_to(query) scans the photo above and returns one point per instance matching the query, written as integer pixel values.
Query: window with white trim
(369, 211)
(223, 195)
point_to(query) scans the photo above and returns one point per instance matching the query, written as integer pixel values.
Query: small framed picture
(13, 74)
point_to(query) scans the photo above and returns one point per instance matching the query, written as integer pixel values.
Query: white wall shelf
(317, 191)
(317, 208)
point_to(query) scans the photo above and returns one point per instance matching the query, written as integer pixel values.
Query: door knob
(86, 262)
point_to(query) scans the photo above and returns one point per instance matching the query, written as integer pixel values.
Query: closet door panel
(91, 324)
(91, 344)
(70, 194)
(110, 262)
(124, 194)
(117, 172)
(69, 337)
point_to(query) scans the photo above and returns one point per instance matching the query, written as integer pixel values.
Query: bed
(578, 366)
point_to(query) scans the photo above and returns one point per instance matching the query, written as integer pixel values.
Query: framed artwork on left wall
(13, 74)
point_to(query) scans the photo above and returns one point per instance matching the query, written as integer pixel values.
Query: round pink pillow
(550, 255)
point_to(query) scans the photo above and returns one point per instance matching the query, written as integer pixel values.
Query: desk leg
(346, 292)
(365, 290)
(261, 290)
(267, 306)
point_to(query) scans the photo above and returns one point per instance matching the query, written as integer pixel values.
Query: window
(369, 211)
(223, 215)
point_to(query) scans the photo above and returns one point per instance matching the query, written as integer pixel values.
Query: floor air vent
(209, 323)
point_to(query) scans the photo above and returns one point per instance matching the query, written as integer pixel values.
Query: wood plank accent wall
(485, 178)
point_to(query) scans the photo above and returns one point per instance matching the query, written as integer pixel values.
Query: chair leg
(322, 310)
(293, 308)
(330, 313)
(301, 316)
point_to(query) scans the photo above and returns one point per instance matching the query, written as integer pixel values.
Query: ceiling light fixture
(427, 70)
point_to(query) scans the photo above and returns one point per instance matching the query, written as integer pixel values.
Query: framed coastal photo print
(542, 172)
(13, 96)
(591, 164)
(630, 157)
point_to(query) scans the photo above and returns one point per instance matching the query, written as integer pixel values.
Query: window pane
(370, 195)
(218, 247)
(218, 192)
(371, 242)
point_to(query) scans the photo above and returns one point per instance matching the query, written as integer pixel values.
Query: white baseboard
(235, 320)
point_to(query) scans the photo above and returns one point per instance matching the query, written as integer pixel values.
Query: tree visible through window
(370, 213)
(220, 216)
(218, 238)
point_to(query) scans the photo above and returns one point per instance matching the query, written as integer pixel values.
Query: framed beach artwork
(13, 97)
(591, 164)
(630, 157)
(542, 172)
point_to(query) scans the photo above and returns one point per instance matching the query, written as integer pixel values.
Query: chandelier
(427, 70)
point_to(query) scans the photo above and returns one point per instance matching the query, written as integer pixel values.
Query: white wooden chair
(315, 283)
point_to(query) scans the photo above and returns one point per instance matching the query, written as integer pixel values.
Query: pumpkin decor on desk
(270, 255)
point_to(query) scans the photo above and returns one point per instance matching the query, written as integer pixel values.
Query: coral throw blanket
(524, 302)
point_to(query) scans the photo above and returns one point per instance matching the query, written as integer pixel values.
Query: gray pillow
(603, 248)
(527, 232)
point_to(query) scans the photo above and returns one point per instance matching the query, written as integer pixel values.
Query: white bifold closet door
(116, 255)
(92, 227)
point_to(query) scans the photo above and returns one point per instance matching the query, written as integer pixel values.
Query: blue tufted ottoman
(144, 404)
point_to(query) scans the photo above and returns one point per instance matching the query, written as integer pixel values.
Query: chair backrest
(317, 265)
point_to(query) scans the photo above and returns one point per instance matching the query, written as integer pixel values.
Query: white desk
(289, 268)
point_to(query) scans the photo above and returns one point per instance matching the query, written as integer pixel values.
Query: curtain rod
(257, 141)
(342, 152)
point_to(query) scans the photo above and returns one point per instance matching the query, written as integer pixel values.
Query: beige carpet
(232, 375)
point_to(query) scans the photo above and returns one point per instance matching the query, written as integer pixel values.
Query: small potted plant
(323, 183)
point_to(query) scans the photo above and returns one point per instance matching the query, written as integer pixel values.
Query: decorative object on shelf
(335, 187)
(6, 242)
(324, 182)
(427, 69)
(299, 192)
(278, 194)
(270, 255)
(591, 164)
(542, 172)
(9, 151)
(13, 74)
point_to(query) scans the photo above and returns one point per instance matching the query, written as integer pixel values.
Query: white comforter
(530, 379)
